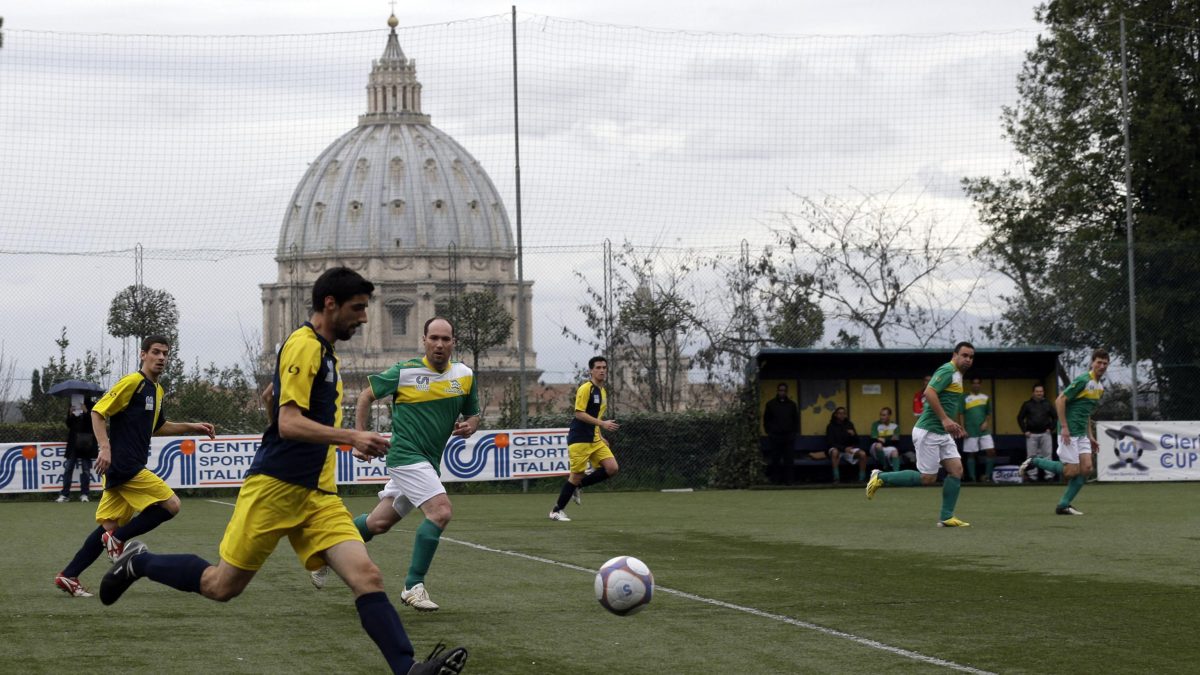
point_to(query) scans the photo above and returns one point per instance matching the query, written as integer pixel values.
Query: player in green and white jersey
(885, 435)
(933, 437)
(977, 420)
(433, 398)
(1077, 444)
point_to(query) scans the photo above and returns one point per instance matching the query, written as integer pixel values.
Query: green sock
(862, 475)
(1048, 464)
(908, 478)
(970, 468)
(988, 465)
(428, 536)
(837, 475)
(896, 463)
(950, 488)
(1073, 487)
(360, 521)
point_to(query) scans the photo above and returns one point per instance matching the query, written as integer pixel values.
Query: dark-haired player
(290, 488)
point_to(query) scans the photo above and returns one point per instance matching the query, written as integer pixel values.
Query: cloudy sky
(668, 123)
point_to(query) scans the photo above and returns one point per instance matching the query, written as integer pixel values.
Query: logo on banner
(456, 459)
(345, 464)
(1129, 447)
(12, 459)
(183, 453)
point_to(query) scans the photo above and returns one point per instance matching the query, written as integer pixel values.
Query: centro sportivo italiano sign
(1148, 451)
(197, 462)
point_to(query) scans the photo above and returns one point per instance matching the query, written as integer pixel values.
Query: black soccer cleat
(121, 576)
(440, 662)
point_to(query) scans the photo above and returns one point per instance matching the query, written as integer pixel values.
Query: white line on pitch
(866, 642)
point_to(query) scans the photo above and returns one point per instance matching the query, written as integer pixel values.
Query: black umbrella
(68, 387)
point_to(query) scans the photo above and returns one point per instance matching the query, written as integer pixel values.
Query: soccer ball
(624, 585)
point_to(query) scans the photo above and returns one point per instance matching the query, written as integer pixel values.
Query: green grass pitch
(759, 574)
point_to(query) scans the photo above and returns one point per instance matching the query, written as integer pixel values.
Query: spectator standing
(842, 441)
(781, 420)
(81, 448)
(1036, 419)
(919, 398)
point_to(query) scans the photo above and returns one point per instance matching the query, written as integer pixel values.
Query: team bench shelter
(865, 380)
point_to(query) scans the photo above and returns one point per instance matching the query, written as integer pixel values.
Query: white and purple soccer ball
(624, 585)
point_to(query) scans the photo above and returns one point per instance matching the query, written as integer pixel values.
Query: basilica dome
(395, 185)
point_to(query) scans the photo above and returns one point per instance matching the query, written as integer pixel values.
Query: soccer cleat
(577, 495)
(953, 522)
(1067, 511)
(1023, 470)
(71, 586)
(874, 484)
(62, 499)
(121, 575)
(319, 576)
(560, 516)
(84, 498)
(441, 662)
(418, 598)
(113, 545)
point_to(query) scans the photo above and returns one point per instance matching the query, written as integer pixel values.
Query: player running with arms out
(585, 443)
(1077, 443)
(933, 437)
(134, 412)
(433, 398)
(290, 488)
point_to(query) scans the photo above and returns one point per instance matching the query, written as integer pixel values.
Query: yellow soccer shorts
(269, 509)
(580, 454)
(136, 494)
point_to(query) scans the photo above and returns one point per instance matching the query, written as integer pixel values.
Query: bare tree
(8, 377)
(875, 266)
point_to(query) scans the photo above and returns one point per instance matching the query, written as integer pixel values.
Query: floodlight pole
(522, 338)
(1133, 360)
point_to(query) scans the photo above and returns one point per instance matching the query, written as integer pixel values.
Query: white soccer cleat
(113, 545)
(84, 498)
(319, 577)
(560, 516)
(1023, 470)
(1067, 511)
(418, 598)
(577, 495)
(62, 499)
(71, 586)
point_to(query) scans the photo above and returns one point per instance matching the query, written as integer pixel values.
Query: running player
(1077, 443)
(432, 399)
(585, 444)
(933, 437)
(290, 488)
(134, 412)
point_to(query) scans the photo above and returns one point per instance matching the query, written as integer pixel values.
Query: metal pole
(521, 337)
(1133, 359)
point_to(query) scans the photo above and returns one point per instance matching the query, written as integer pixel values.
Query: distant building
(408, 207)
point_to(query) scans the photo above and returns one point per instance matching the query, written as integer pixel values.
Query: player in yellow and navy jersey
(432, 398)
(1077, 445)
(134, 412)
(585, 444)
(933, 437)
(291, 492)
